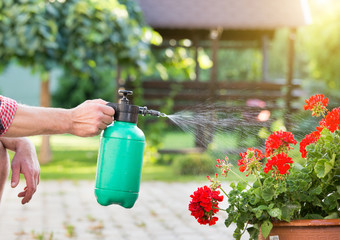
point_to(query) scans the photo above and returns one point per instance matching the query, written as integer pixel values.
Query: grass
(75, 158)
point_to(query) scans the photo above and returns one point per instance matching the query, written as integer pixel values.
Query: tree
(84, 38)
(321, 42)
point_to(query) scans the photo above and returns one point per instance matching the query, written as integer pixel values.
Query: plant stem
(239, 177)
(221, 209)
(258, 179)
(224, 192)
(244, 230)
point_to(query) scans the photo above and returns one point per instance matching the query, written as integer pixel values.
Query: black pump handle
(124, 98)
(125, 92)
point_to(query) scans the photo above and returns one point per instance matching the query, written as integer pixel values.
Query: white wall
(22, 85)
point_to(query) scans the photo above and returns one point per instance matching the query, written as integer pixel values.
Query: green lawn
(75, 158)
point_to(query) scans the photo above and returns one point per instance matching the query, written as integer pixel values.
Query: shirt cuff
(8, 108)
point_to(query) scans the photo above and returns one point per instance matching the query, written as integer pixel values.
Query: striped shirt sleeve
(8, 108)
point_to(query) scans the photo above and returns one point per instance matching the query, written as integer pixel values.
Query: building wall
(22, 85)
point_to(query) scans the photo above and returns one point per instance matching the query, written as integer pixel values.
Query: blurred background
(245, 61)
(226, 72)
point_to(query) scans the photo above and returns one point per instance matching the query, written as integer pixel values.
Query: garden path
(63, 210)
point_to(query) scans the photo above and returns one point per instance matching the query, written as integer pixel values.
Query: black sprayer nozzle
(144, 110)
(126, 112)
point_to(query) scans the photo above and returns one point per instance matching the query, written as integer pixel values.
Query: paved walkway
(68, 210)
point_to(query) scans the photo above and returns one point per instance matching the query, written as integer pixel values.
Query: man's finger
(15, 175)
(102, 126)
(22, 194)
(107, 119)
(107, 110)
(28, 196)
(31, 187)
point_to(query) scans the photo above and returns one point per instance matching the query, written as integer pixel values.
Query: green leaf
(333, 215)
(259, 210)
(288, 211)
(268, 194)
(266, 227)
(241, 186)
(323, 167)
(275, 212)
(253, 232)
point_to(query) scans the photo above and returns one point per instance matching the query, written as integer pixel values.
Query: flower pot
(311, 229)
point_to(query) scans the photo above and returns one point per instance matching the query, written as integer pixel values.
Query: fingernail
(13, 184)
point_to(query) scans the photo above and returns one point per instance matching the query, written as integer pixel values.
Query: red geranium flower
(204, 205)
(250, 160)
(279, 142)
(309, 139)
(322, 125)
(332, 120)
(279, 164)
(317, 104)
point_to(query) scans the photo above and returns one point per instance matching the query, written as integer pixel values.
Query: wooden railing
(188, 95)
(244, 99)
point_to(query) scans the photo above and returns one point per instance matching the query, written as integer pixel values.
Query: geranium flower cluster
(318, 105)
(277, 147)
(279, 164)
(204, 205)
(224, 165)
(332, 120)
(309, 139)
(279, 142)
(250, 161)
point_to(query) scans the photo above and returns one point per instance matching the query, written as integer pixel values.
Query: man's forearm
(86, 120)
(30, 121)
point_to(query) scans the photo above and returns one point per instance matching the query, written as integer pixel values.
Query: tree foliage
(86, 39)
(321, 42)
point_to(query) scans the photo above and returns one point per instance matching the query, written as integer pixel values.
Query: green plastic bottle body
(119, 164)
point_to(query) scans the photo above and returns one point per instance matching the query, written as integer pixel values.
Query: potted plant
(283, 190)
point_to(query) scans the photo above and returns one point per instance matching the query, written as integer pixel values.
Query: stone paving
(68, 210)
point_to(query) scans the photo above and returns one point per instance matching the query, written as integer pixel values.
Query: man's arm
(25, 161)
(87, 119)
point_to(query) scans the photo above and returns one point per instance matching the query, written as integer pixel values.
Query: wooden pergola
(219, 24)
(215, 22)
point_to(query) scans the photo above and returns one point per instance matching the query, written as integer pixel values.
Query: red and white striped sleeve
(8, 108)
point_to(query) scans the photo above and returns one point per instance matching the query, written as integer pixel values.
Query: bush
(194, 164)
(166, 159)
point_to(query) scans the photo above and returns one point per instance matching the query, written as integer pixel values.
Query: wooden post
(265, 46)
(197, 65)
(214, 56)
(204, 136)
(290, 74)
(45, 154)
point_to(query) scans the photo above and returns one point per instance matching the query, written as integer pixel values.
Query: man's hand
(24, 162)
(90, 118)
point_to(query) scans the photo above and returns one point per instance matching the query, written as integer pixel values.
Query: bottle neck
(117, 123)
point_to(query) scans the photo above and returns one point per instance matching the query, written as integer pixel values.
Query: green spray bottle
(120, 155)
